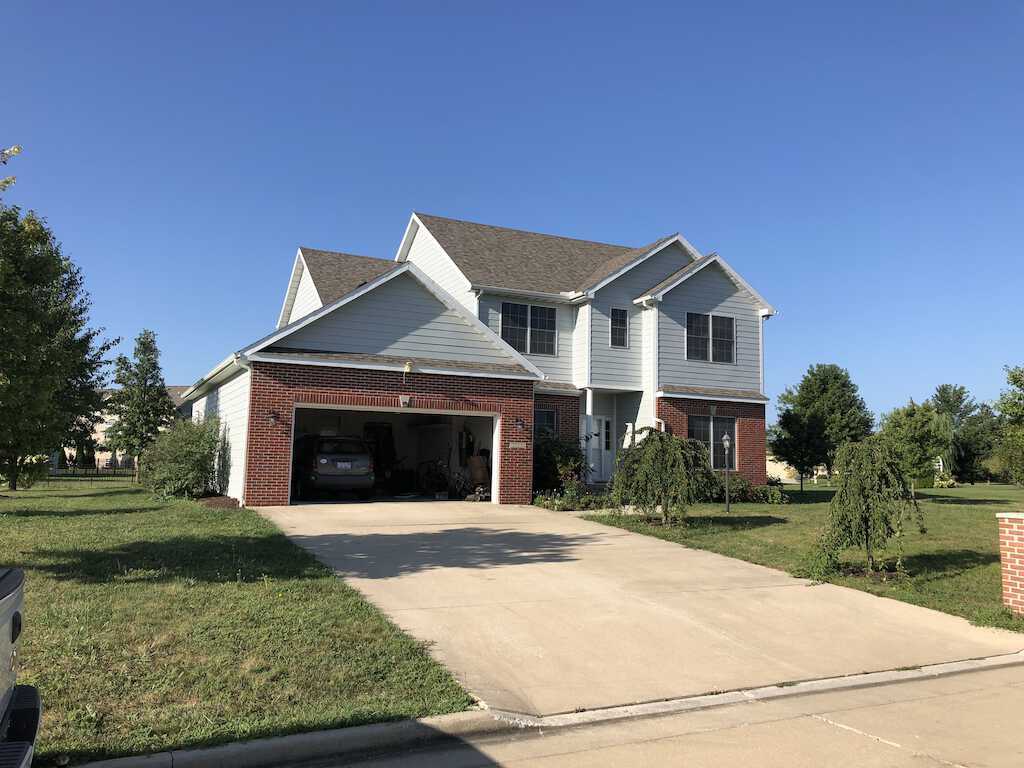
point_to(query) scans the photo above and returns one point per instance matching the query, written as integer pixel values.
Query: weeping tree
(660, 475)
(873, 503)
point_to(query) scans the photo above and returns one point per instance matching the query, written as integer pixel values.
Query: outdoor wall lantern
(404, 400)
(520, 424)
(273, 417)
(728, 462)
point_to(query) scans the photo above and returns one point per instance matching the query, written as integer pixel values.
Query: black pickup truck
(20, 707)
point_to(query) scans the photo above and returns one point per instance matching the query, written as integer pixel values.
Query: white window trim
(622, 309)
(529, 328)
(711, 338)
(711, 431)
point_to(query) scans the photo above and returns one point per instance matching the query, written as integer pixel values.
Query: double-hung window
(619, 320)
(710, 337)
(528, 328)
(710, 430)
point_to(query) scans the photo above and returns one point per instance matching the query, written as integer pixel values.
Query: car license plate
(344, 465)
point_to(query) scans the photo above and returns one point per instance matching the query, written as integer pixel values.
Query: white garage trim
(493, 415)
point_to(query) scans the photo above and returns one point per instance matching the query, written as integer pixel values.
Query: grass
(953, 567)
(152, 625)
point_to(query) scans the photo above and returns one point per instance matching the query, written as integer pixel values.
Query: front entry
(602, 457)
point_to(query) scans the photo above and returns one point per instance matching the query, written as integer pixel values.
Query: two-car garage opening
(345, 454)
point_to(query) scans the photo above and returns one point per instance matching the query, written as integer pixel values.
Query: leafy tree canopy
(5, 157)
(1011, 401)
(51, 362)
(954, 401)
(827, 391)
(916, 437)
(799, 439)
(141, 406)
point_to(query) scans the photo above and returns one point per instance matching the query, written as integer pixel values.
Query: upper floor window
(710, 337)
(619, 319)
(528, 328)
(710, 431)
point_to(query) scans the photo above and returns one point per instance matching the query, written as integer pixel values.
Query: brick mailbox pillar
(1011, 555)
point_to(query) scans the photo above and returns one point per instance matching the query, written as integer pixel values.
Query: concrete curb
(348, 743)
(339, 743)
(765, 693)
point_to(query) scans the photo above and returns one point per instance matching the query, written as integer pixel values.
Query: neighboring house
(106, 458)
(486, 336)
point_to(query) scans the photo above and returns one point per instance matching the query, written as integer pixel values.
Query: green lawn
(954, 567)
(153, 625)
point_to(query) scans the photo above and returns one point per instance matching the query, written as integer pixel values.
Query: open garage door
(340, 454)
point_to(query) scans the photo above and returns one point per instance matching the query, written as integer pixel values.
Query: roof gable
(657, 292)
(431, 327)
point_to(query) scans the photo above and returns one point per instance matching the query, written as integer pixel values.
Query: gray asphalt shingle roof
(515, 259)
(337, 274)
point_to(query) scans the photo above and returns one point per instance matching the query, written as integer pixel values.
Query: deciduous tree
(140, 406)
(799, 439)
(828, 392)
(915, 438)
(52, 363)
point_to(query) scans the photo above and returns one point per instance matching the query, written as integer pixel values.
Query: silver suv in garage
(332, 464)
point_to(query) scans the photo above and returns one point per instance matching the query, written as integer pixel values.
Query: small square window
(619, 319)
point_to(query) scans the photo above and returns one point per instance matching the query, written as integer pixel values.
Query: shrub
(31, 470)
(656, 475)
(558, 466)
(872, 501)
(1010, 453)
(565, 502)
(182, 460)
(944, 480)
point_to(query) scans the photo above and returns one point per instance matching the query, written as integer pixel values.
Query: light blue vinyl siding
(399, 318)
(710, 291)
(229, 402)
(557, 367)
(615, 366)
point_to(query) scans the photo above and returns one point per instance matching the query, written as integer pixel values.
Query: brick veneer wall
(276, 388)
(750, 439)
(1011, 556)
(567, 410)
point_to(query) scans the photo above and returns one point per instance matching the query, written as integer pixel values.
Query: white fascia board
(687, 396)
(324, 363)
(302, 322)
(298, 266)
(692, 252)
(234, 360)
(449, 301)
(554, 298)
(409, 235)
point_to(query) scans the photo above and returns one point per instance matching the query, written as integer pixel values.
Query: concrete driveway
(541, 613)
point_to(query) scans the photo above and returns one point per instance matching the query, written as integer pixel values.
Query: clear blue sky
(862, 166)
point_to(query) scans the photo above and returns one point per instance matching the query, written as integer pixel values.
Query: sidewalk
(971, 719)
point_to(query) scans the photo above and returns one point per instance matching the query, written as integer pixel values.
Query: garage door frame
(495, 432)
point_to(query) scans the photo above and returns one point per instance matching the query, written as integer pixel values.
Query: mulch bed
(219, 502)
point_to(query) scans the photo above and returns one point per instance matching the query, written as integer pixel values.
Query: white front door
(602, 457)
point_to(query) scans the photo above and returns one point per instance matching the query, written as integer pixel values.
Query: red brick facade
(277, 388)
(1011, 555)
(750, 437)
(567, 413)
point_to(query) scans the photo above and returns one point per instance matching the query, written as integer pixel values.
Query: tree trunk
(801, 483)
(12, 473)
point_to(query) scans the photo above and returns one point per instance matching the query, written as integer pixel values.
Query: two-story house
(476, 338)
